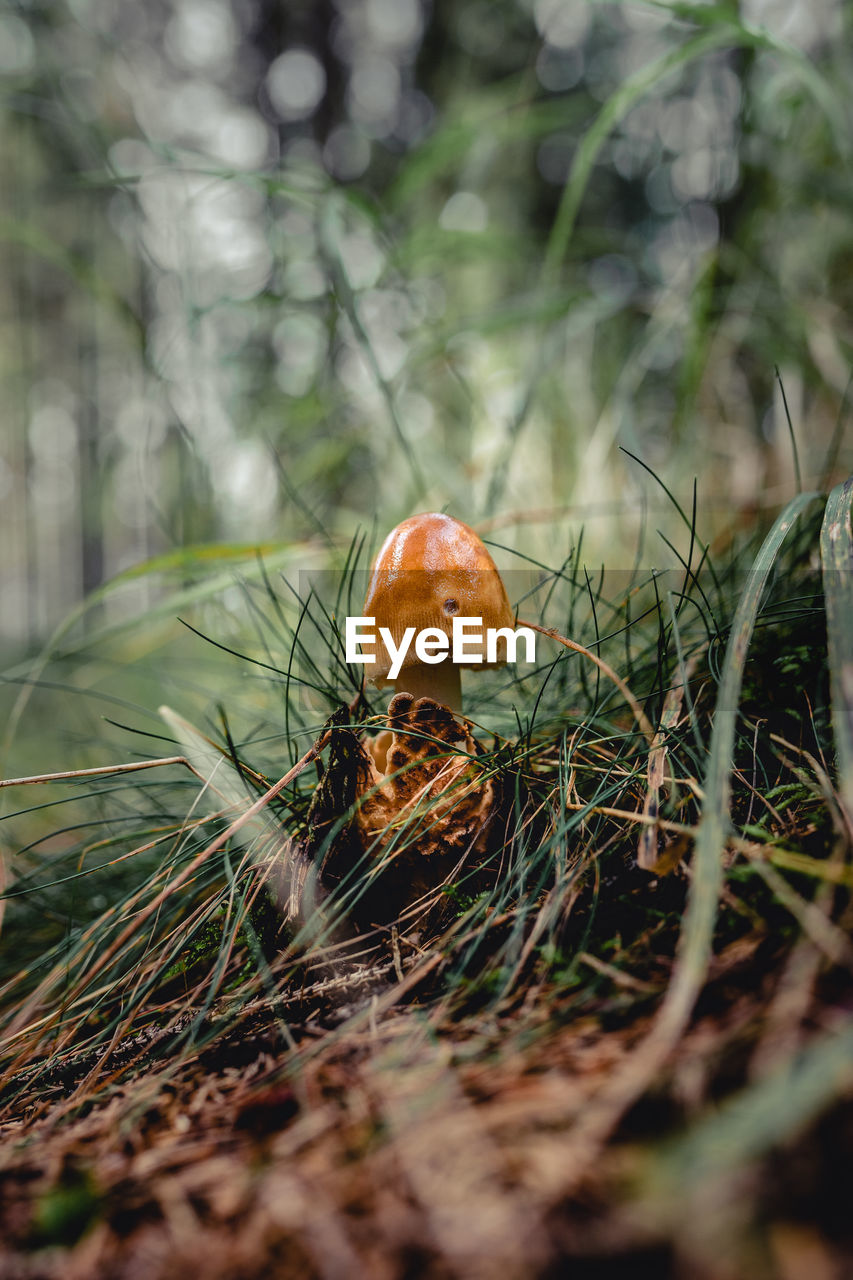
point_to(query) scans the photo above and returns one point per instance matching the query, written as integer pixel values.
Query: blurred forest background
(272, 271)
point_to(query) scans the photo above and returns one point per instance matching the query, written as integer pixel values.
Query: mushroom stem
(440, 681)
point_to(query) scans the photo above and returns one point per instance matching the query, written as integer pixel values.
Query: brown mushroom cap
(429, 570)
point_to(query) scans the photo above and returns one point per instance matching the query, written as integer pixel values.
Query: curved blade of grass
(331, 235)
(761, 37)
(253, 561)
(761, 1116)
(615, 109)
(697, 932)
(606, 670)
(836, 553)
(724, 30)
(792, 434)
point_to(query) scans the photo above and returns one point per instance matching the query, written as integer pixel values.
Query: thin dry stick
(646, 820)
(106, 770)
(647, 848)
(103, 770)
(605, 668)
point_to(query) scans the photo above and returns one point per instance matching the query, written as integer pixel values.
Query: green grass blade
(836, 553)
(723, 30)
(614, 110)
(331, 235)
(697, 933)
(707, 865)
(68, 638)
(772, 1110)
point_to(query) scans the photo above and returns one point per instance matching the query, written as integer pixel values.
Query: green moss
(66, 1212)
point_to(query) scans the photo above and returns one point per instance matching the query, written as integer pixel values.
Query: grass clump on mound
(628, 1042)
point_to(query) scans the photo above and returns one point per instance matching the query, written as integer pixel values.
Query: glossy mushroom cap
(429, 570)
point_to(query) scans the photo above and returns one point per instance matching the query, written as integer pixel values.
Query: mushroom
(436, 811)
(395, 818)
(430, 570)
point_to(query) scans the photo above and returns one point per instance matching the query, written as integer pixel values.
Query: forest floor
(414, 1140)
